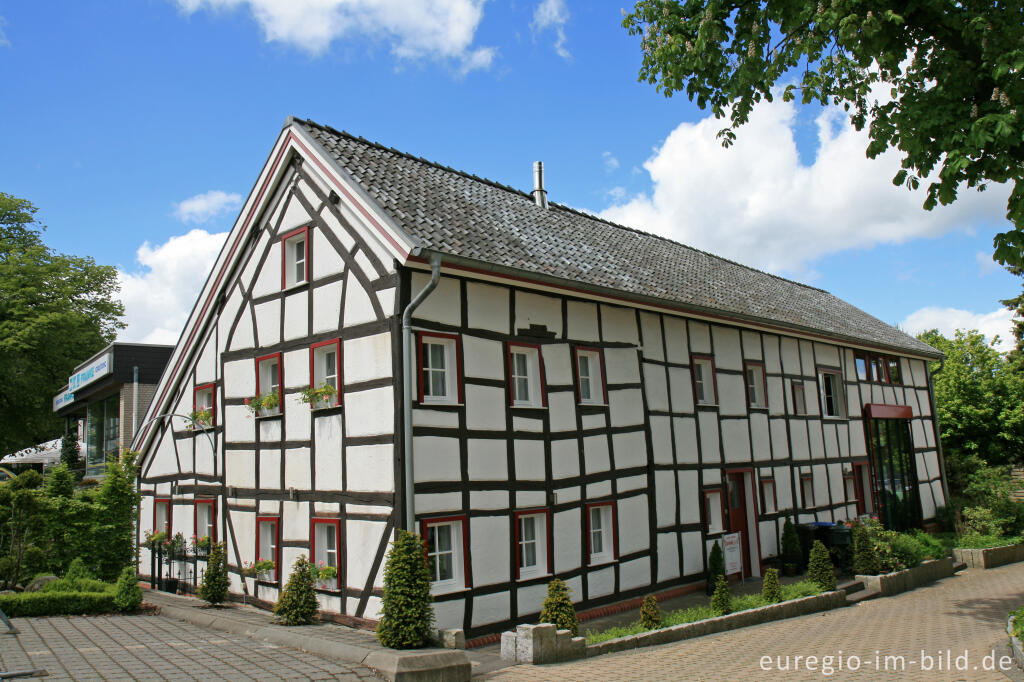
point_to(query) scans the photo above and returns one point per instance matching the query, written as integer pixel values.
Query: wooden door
(737, 504)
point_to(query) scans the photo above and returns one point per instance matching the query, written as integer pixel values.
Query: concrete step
(851, 586)
(862, 595)
(959, 567)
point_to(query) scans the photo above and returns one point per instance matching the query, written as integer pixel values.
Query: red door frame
(747, 560)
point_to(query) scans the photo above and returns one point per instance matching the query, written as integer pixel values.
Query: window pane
(520, 364)
(752, 385)
(522, 389)
(330, 369)
(437, 356)
(300, 260)
(443, 538)
(584, 364)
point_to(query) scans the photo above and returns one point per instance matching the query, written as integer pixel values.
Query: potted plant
(326, 576)
(154, 540)
(264, 405)
(262, 569)
(320, 397)
(202, 419)
(175, 547)
(201, 546)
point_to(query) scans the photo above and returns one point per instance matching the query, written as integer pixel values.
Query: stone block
(508, 646)
(451, 638)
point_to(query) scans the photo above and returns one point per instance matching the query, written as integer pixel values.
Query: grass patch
(978, 541)
(743, 602)
(1018, 623)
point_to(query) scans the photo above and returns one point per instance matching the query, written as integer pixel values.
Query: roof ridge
(527, 195)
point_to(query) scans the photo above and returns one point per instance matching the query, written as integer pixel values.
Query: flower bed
(990, 557)
(1015, 629)
(908, 578)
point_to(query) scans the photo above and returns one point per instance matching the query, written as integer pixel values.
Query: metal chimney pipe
(540, 196)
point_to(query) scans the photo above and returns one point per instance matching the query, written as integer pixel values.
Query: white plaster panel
(709, 444)
(817, 446)
(689, 496)
(489, 549)
(243, 337)
(798, 439)
(386, 300)
(693, 557)
(270, 429)
(779, 440)
(621, 366)
(557, 364)
(328, 451)
(843, 433)
(619, 324)
(599, 489)
(927, 505)
(665, 497)
(249, 271)
(638, 482)
(240, 468)
(600, 582)
(358, 307)
(760, 437)
(268, 280)
(735, 440)
(362, 539)
(784, 488)
(807, 358)
(295, 214)
(826, 354)
(791, 356)
(326, 260)
(364, 265)
(488, 459)
(650, 328)
(595, 454)
(487, 307)
(566, 540)
(732, 394)
(772, 356)
(751, 345)
(529, 599)
(633, 524)
(526, 424)
(566, 495)
(296, 315)
(565, 458)
(537, 309)
(769, 546)
(529, 499)
(239, 425)
(831, 441)
(635, 573)
(491, 608)
(370, 413)
(582, 319)
(656, 387)
(294, 521)
(438, 502)
(917, 434)
(483, 358)
(228, 313)
(367, 358)
(680, 389)
(931, 460)
(675, 340)
(529, 455)
(206, 365)
(370, 468)
(629, 449)
(593, 421)
(296, 369)
(268, 322)
(776, 395)
(327, 306)
(668, 557)
(562, 411)
(700, 337)
(339, 230)
(727, 348)
(918, 373)
(485, 407)
(661, 440)
(444, 304)
(429, 417)
(436, 459)
(937, 494)
(270, 469)
(626, 407)
(489, 499)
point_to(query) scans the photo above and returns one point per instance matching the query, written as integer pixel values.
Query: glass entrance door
(894, 474)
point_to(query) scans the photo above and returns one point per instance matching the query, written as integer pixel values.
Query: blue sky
(137, 126)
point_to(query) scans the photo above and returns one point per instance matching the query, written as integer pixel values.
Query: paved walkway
(965, 614)
(156, 648)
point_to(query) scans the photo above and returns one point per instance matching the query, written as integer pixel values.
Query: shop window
(799, 399)
(268, 385)
(830, 387)
(295, 258)
(704, 388)
(268, 541)
(601, 537)
(325, 374)
(440, 379)
(756, 393)
(326, 540)
(532, 540)
(525, 376)
(714, 511)
(590, 377)
(769, 503)
(446, 557)
(203, 411)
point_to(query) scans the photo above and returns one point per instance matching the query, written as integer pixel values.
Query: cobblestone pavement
(155, 648)
(965, 613)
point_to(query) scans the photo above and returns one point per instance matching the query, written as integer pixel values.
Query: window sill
(267, 583)
(707, 404)
(269, 416)
(529, 407)
(592, 404)
(294, 287)
(443, 591)
(431, 403)
(328, 590)
(533, 576)
(598, 563)
(324, 408)
(835, 419)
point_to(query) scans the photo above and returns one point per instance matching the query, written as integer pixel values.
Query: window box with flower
(201, 546)
(267, 405)
(319, 398)
(262, 570)
(326, 577)
(201, 419)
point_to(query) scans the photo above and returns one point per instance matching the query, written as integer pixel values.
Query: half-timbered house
(586, 400)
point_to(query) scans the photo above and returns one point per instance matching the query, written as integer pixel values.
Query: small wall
(910, 578)
(541, 644)
(991, 557)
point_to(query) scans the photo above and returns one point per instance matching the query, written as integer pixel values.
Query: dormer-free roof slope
(461, 215)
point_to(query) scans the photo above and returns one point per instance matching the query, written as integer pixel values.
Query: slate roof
(459, 214)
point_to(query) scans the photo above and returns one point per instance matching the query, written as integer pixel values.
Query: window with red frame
(162, 517)
(863, 366)
(440, 376)
(268, 383)
(325, 373)
(526, 376)
(807, 490)
(326, 538)
(590, 377)
(206, 519)
(893, 367)
(203, 408)
(295, 258)
(268, 541)
(602, 543)
(533, 543)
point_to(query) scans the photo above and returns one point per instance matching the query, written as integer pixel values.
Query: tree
(69, 453)
(128, 595)
(1016, 304)
(865, 557)
(819, 567)
(117, 504)
(60, 482)
(771, 591)
(407, 617)
(881, 63)
(721, 600)
(297, 604)
(716, 567)
(214, 587)
(45, 296)
(650, 616)
(558, 608)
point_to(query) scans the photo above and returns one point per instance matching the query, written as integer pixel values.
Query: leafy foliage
(819, 567)
(716, 566)
(771, 592)
(127, 594)
(69, 453)
(297, 605)
(878, 61)
(214, 587)
(45, 296)
(558, 608)
(865, 556)
(721, 600)
(407, 617)
(29, 604)
(790, 540)
(60, 483)
(650, 615)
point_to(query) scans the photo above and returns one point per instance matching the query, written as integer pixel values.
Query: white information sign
(733, 553)
(100, 367)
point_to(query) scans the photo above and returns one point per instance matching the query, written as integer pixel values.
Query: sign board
(733, 552)
(98, 368)
(64, 398)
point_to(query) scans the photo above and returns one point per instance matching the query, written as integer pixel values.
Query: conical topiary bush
(819, 567)
(650, 615)
(865, 557)
(558, 608)
(721, 600)
(407, 617)
(297, 604)
(771, 591)
(214, 587)
(716, 566)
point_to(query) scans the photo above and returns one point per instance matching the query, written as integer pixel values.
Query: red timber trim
(213, 516)
(757, 517)
(878, 411)
(879, 370)
(157, 501)
(337, 543)
(576, 372)
(420, 336)
(720, 490)
(866, 359)
(714, 379)
(859, 469)
(540, 367)
(467, 581)
(280, 379)
(337, 372)
(548, 537)
(615, 528)
(276, 520)
(213, 400)
(807, 477)
(764, 384)
(304, 231)
(775, 494)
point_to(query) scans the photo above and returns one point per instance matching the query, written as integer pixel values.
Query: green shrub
(984, 521)
(407, 618)
(804, 588)
(650, 616)
(721, 601)
(30, 604)
(716, 566)
(77, 570)
(975, 541)
(214, 587)
(932, 547)
(790, 541)
(558, 609)
(945, 517)
(127, 594)
(770, 590)
(898, 551)
(819, 567)
(865, 556)
(76, 585)
(297, 605)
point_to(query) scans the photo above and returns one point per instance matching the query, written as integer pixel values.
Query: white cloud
(202, 207)
(948, 320)
(986, 265)
(757, 203)
(4, 42)
(440, 29)
(616, 193)
(610, 162)
(553, 14)
(159, 295)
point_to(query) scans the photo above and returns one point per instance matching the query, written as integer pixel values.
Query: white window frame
(594, 376)
(325, 533)
(292, 259)
(768, 500)
(164, 527)
(268, 550)
(799, 390)
(539, 520)
(705, 382)
(754, 380)
(713, 510)
(457, 581)
(323, 371)
(838, 399)
(204, 508)
(451, 371)
(532, 360)
(270, 381)
(850, 487)
(604, 533)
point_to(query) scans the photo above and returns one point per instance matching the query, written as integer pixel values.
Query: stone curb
(990, 557)
(788, 609)
(443, 665)
(1015, 644)
(889, 584)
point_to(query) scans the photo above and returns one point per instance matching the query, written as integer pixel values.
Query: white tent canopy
(44, 453)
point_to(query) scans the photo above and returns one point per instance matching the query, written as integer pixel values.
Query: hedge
(27, 604)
